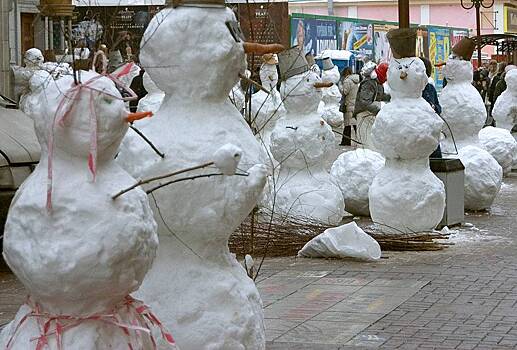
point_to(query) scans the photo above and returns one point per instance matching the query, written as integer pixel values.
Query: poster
(314, 35)
(382, 52)
(356, 37)
(422, 42)
(439, 49)
(457, 35)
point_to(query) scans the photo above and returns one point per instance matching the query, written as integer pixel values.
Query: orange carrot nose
(440, 64)
(131, 117)
(403, 75)
(323, 84)
(262, 49)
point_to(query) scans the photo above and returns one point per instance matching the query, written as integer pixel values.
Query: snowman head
(269, 76)
(331, 75)
(33, 58)
(73, 111)
(149, 84)
(406, 77)
(511, 81)
(457, 70)
(301, 94)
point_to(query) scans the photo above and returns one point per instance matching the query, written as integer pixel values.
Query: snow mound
(483, 177)
(501, 145)
(346, 241)
(354, 172)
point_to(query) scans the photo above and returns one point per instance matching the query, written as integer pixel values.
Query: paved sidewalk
(462, 298)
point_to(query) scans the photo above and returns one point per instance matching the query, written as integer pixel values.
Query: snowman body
(266, 108)
(331, 97)
(300, 143)
(406, 196)
(84, 257)
(501, 145)
(465, 113)
(154, 98)
(196, 286)
(505, 107)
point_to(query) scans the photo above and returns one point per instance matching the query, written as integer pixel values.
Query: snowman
(78, 252)
(505, 107)
(267, 108)
(194, 52)
(501, 145)
(300, 143)
(329, 106)
(465, 113)
(406, 196)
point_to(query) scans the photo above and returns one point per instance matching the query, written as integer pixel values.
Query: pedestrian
(491, 89)
(348, 86)
(431, 96)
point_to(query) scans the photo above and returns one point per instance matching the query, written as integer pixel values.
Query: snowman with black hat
(329, 105)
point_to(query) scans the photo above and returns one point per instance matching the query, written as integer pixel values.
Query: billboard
(381, 44)
(422, 42)
(356, 37)
(457, 35)
(510, 19)
(314, 35)
(439, 49)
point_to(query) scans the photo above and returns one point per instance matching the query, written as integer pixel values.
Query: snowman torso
(196, 285)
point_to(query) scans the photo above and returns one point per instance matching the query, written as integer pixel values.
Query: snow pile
(196, 286)
(354, 172)
(85, 254)
(406, 196)
(300, 143)
(346, 241)
(505, 107)
(501, 145)
(465, 112)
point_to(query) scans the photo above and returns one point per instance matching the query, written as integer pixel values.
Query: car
(19, 153)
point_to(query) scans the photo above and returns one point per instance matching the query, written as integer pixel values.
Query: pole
(5, 51)
(478, 28)
(403, 13)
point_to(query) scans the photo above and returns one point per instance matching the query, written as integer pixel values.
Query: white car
(19, 153)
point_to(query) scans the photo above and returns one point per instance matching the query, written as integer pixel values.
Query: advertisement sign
(356, 37)
(314, 35)
(510, 19)
(381, 44)
(457, 35)
(439, 49)
(422, 42)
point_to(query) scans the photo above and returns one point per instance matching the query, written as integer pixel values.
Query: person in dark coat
(431, 96)
(491, 89)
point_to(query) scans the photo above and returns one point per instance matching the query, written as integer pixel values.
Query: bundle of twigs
(273, 236)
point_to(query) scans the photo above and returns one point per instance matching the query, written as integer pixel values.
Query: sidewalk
(462, 298)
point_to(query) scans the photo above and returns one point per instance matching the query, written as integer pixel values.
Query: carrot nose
(440, 64)
(403, 75)
(323, 84)
(131, 117)
(262, 49)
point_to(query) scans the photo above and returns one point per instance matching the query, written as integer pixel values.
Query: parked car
(19, 153)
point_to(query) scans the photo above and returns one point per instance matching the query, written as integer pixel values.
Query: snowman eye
(107, 100)
(399, 67)
(406, 66)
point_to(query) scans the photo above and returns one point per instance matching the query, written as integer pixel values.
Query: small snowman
(406, 196)
(329, 106)
(33, 60)
(505, 107)
(465, 113)
(194, 51)
(78, 252)
(267, 108)
(300, 143)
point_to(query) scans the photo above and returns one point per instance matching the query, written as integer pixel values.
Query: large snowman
(194, 52)
(465, 113)
(78, 252)
(329, 105)
(406, 196)
(505, 107)
(300, 143)
(267, 108)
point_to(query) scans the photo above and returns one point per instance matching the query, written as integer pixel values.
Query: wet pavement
(464, 297)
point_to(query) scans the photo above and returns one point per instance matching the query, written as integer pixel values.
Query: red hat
(382, 72)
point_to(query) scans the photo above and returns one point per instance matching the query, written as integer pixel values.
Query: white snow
(501, 145)
(90, 251)
(345, 241)
(153, 100)
(300, 142)
(505, 107)
(465, 113)
(354, 172)
(227, 158)
(196, 286)
(406, 196)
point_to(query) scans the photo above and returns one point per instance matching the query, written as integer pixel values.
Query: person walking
(348, 86)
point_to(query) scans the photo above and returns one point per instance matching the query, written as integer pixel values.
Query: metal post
(478, 32)
(51, 33)
(403, 13)
(45, 34)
